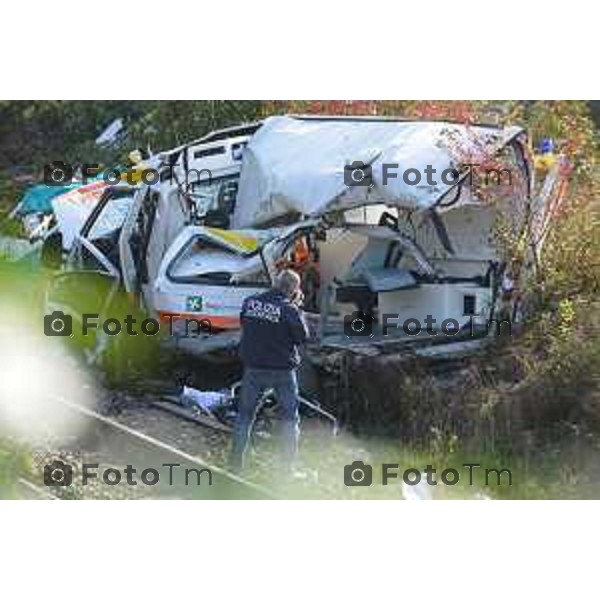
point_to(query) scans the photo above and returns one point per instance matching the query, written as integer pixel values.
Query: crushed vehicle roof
(297, 164)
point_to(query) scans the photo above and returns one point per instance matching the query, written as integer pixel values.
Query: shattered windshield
(204, 261)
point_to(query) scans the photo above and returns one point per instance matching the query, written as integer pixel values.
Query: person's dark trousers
(254, 383)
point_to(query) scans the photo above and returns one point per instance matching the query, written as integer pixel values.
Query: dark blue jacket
(272, 330)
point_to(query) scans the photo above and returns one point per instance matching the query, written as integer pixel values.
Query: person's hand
(298, 298)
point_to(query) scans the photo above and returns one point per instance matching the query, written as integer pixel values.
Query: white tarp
(296, 165)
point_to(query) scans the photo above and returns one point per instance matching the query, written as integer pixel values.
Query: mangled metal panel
(73, 208)
(297, 165)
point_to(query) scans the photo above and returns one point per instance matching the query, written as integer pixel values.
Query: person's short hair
(287, 282)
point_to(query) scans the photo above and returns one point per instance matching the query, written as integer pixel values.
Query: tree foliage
(34, 133)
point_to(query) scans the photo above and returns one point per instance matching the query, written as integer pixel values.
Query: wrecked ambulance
(381, 217)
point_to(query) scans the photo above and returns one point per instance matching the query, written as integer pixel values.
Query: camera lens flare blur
(33, 371)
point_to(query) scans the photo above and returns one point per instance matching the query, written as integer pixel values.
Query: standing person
(272, 329)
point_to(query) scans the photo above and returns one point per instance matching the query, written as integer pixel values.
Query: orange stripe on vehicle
(215, 321)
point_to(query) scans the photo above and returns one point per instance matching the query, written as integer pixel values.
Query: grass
(13, 463)
(563, 470)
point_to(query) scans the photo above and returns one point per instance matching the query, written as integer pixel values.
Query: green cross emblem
(193, 303)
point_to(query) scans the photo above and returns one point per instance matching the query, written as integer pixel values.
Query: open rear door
(155, 219)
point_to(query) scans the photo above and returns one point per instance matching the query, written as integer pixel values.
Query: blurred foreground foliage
(13, 463)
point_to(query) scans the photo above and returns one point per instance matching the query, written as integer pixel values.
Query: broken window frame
(205, 279)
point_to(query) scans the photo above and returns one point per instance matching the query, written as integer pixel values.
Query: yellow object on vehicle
(134, 174)
(242, 242)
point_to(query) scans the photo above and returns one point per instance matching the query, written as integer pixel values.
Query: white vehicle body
(234, 207)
